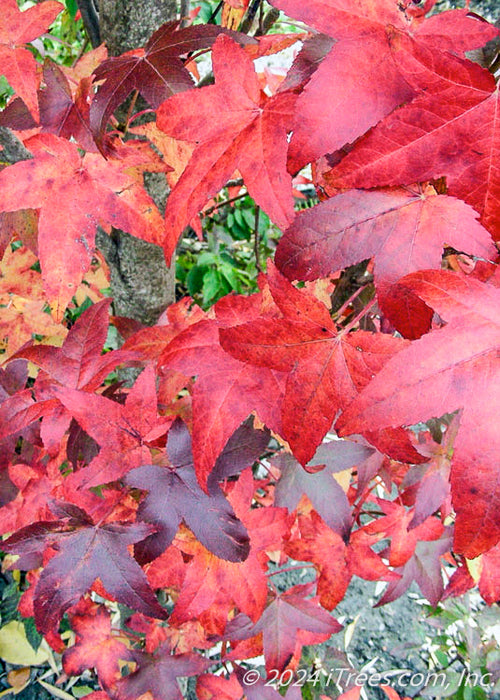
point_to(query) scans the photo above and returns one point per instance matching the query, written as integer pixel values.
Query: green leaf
(8, 605)
(72, 8)
(211, 284)
(194, 279)
(32, 634)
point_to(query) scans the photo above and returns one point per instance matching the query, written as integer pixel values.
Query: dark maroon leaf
(324, 492)
(175, 495)
(307, 61)
(86, 552)
(157, 72)
(157, 675)
(242, 449)
(281, 621)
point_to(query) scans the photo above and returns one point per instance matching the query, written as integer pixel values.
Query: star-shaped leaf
(361, 88)
(175, 495)
(157, 675)
(453, 133)
(122, 431)
(157, 71)
(85, 551)
(237, 128)
(17, 29)
(324, 492)
(403, 231)
(74, 196)
(281, 624)
(449, 369)
(95, 646)
(326, 368)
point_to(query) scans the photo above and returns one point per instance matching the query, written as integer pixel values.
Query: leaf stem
(256, 240)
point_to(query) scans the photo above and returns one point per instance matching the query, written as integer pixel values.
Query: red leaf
(156, 71)
(226, 391)
(19, 28)
(403, 231)
(75, 195)
(63, 114)
(450, 132)
(489, 583)
(86, 552)
(336, 561)
(326, 369)
(122, 431)
(455, 367)
(236, 128)
(210, 687)
(243, 583)
(357, 88)
(280, 624)
(95, 646)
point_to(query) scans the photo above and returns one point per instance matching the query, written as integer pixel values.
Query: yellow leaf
(475, 567)
(15, 648)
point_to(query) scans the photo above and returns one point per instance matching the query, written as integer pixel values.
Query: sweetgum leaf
(449, 369)
(326, 368)
(122, 431)
(157, 71)
(451, 132)
(19, 28)
(280, 624)
(157, 675)
(324, 492)
(403, 231)
(175, 495)
(236, 127)
(86, 552)
(226, 391)
(74, 196)
(360, 88)
(95, 646)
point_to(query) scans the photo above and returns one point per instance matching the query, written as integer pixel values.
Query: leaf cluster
(340, 417)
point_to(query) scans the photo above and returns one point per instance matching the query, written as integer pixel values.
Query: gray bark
(142, 285)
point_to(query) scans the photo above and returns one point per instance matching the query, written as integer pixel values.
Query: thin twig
(130, 110)
(222, 204)
(359, 316)
(290, 568)
(256, 240)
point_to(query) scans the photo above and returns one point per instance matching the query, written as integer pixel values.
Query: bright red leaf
(403, 231)
(226, 391)
(17, 29)
(96, 646)
(237, 128)
(326, 368)
(352, 90)
(123, 431)
(452, 368)
(75, 195)
(157, 71)
(452, 132)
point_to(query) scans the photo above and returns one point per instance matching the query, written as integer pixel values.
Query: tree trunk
(142, 285)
